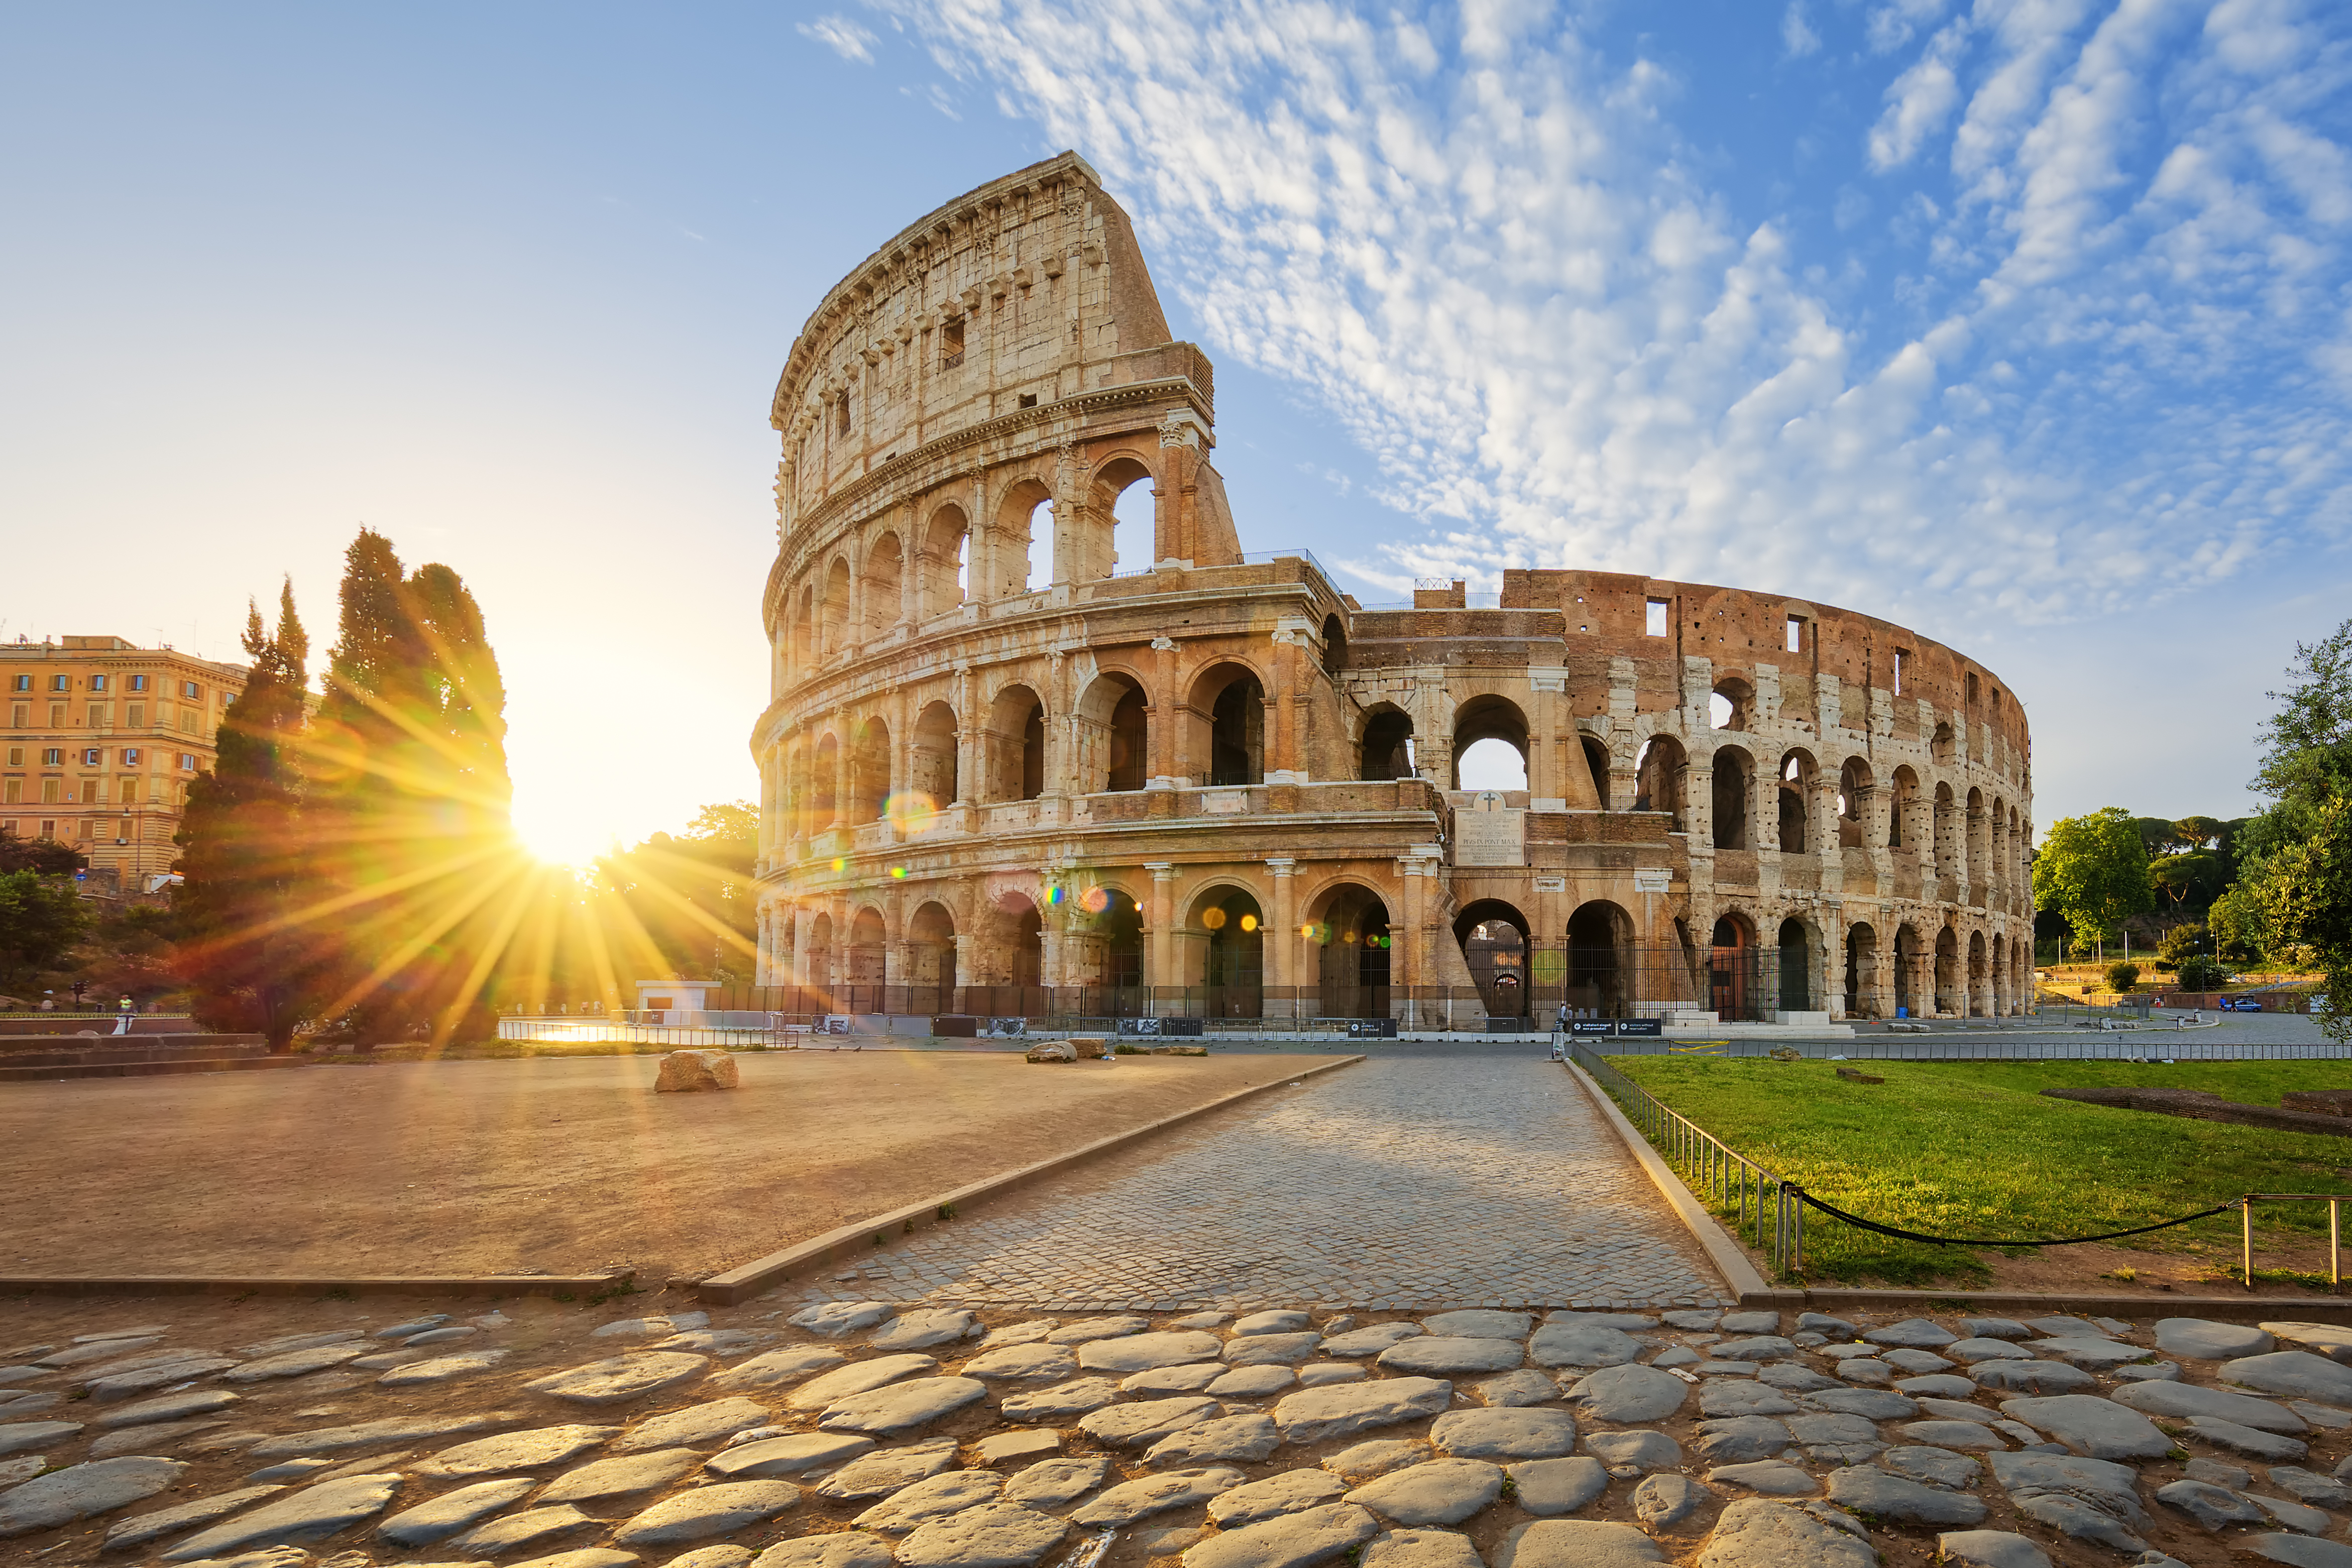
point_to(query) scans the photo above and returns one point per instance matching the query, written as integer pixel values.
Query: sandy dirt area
(548, 1166)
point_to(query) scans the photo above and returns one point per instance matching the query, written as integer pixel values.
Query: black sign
(1650, 1027)
(1372, 1028)
(1593, 1026)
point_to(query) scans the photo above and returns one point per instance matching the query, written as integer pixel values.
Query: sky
(2026, 325)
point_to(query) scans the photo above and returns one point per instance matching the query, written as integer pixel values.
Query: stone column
(1160, 937)
(1882, 970)
(1166, 717)
(1282, 965)
(844, 768)
(1408, 961)
(1978, 868)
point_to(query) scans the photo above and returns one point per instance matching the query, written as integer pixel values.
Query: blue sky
(2022, 324)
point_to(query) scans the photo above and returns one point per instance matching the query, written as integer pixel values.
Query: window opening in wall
(61, 683)
(841, 415)
(1237, 734)
(1718, 711)
(951, 345)
(1041, 546)
(138, 683)
(963, 568)
(1028, 400)
(1656, 624)
(1902, 658)
(1493, 765)
(1132, 542)
(1973, 688)
(1795, 641)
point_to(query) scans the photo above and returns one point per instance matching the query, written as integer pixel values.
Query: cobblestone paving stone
(1411, 1181)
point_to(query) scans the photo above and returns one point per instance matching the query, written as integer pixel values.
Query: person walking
(122, 1015)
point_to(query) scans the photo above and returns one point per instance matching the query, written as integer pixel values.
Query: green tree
(2093, 870)
(2307, 895)
(2287, 856)
(254, 940)
(688, 895)
(41, 918)
(43, 857)
(2183, 942)
(411, 802)
(2122, 977)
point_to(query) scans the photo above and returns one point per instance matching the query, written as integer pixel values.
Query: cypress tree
(252, 949)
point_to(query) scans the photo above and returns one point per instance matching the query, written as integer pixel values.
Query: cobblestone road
(1451, 1177)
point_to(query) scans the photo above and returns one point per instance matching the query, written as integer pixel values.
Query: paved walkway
(1418, 1180)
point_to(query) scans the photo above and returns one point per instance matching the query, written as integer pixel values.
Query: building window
(137, 716)
(92, 756)
(16, 756)
(1902, 663)
(951, 345)
(1656, 625)
(1796, 640)
(187, 721)
(138, 683)
(20, 716)
(188, 762)
(190, 690)
(61, 683)
(16, 793)
(48, 829)
(130, 757)
(52, 791)
(53, 757)
(57, 715)
(96, 717)
(97, 683)
(130, 791)
(24, 683)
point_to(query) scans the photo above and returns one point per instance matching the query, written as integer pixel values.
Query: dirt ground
(550, 1166)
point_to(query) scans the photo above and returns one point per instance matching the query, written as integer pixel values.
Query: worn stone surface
(1270, 1323)
(141, 1528)
(1741, 1438)
(694, 1423)
(619, 1380)
(994, 1535)
(1123, 1504)
(514, 1451)
(1772, 1477)
(687, 1072)
(297, 1362)
(2033, 1376)
(1937, 1467)
(177, 1406)
(1370, 1341)
(1341, 1410)
(1146, 1421)
(779, 1368)
(998, 1448)
(1291, 1540)
(1513, 1389)
(2098, 1427)
(1360, 1462)
(1434, 1354)
(2210, 1506)
(923, 1328)
(1912, 1334)
(2202, 1338)
(1505, 1434)
(901, 1407)
(1292, 1491)
(887, 1469)
(707, 1511)
(2297, 1373)
(1073, 1398)
(452, 1511)
(306, 1515)
(1739, 1397)
(1866, 1490)
(787, 1455)
(621, 1474)
(2296, 1550)
(1547, 1487)
(857, 1377)
(847, 1548)
(1022, 1364)
(951, 1491)
(380, 1434)
(1440, 1491)
(1989, 1548)
(1141, 1353)
(1581, 1344)
(1271, 1348)
(17, 1436)
(1054, 1483)
(1575, 1543)
(1250, 1436)
(1421, 1549)
(2246, 1440)
(1669, 1502)
(1642, 1450)
(835, 1319)
(78, 1491)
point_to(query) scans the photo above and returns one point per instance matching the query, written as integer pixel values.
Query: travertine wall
(976, 778)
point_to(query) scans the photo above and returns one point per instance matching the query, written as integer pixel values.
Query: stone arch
(1732, 704)
(1661, 776)
(1910, 955)
(1950, 996)
(1019, 557)
(1797, 771)
(1862, 971)
(1490, 716)
(1335, 645)
(1939, 746)
(1499, 945)
(1386, 747)
(1347, 922)
(1014, 745)
(1795, 977)
(1008, 950)
(931, 954)
(1903, 827)
(1732, 789)
(869, 772)
(885, 568)
(1856, 792)
(1114, 545)
(944, 561)
(867, 958)
(833, 609)
(1980, 997)
(1225, 724)
(1595, 752)
(1732, 960)
(818, 959)
(1228, 924)
(1110, 928)
(825, 778)
(931, 760)
(1113, 734)
(1600, 973)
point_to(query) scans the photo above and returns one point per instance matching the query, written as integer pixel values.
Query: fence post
(2335, 1247)
(1797, 1209)
(2246, 1231)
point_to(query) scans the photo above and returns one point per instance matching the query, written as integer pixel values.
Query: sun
(563, 841)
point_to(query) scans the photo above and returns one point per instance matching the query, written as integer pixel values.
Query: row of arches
(914, 573)
(1914, 976)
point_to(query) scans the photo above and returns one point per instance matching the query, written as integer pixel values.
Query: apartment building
(102, 740)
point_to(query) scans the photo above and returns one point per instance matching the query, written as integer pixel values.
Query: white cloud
(1509, 278)
(1798, 38)
(842, 35)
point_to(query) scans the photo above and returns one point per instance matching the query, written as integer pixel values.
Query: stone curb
(151, 1069)
(1730, 1260)
(281, 1284)
(741, 1284)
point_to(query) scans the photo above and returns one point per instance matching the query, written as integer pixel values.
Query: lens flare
(1249, 923)
(1095, 900)
(913, 811)
(1213, 918)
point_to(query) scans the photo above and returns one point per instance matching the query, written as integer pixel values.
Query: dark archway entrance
(1353, 945)
(1495, 944)
(1234, 975)
(1796, 967)
(1600, 961)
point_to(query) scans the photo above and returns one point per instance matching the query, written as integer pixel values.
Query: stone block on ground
(707, 1512)
(1575, 1543)
(694, 1423)
(857, 1377)
(2298, 1374)
(1343, 1409)
(689, 1071)
(1292, 1491)
(786, 1456)
(2090, 1425)
(1292, 1540)
(1866, 1490)
(1629, 1396)
(847, 1549)
(1246, 1438)
(1507, 1434)
(2200, 1339)
(1772, 1478)
(77, 1491)
(1146, 1421)
(1052, 1051)
(900, 1407)
(620, 1379)
(1122, 1504)
(1143, 1351)
(1549, 1488)
(1669, 1502)
(1642, 1450)
(306, 1515)
(1421, 1549)
(513, 1451)
(887, 1469)
(1440, 1353)
(1440, 1491)
(994, 1535)
(1054, 1483)
(453, 1511)
(1360, 1462)
(920, 1328)
(1756, 1532)
(949, 1492)
(1989, 1548)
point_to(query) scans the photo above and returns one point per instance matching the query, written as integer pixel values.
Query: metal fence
(2003, 1045)
(1763, 1208)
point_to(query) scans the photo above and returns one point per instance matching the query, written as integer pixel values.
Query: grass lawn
(1973, 1149)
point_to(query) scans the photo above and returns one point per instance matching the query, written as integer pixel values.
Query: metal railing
(1998, 1042)
(1763, 1205)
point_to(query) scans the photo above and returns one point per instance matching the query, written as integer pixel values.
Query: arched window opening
(932, 779)
(1730, 800)
(884, 567)
(1040, 570)
(1350, 930)
(1732, 705)
(1731, 968)
(1907, 963)
(1796, 778)
(1495, 943)
(1130, 749)
(931, 958)
(1388, 745)
(823, 785)
(1116, 925)
(945, 562)
(1016, 745)
(1948, 997)
(867, 956)
(1015, 948)
(869, 772)
(1861, 971)
(1234, 972)
(1659, 777)
(1335, 645)
(836, 606)
(1796, 967)
(1853, 790)
(1902, 828)
(1237, 734)
(819, 957)
(1600, 961)
(1477, 765)
(1113, 740)
(1940, 748)
(1596, 762)
(1134, 535)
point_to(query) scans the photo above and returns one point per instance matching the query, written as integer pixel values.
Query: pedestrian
(122, 1012)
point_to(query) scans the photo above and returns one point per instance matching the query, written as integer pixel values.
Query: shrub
(2200, 971)
(2122, 977)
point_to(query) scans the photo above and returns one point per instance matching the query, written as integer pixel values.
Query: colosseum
(1009, 771)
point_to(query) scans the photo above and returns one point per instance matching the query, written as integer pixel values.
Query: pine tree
(414, 798)
(253, 948)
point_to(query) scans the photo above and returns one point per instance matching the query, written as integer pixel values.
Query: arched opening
(1599, 969)
(1335, 645)
(1796, 788)
(1596, 762)
(868, 947)
(1730, 795)
(835, 612)
(1907, 972)
(1978, 1001)
(1490, 745)
(1116, 926)
(1494, 938)
(869, 772)
(1659, 776)
(885, 564)
(1731, 969)
(1124, 493)
(1861, 971)
(1016, 745)
(1946, 824)
(803, 637)
(825, 776)
(1227, 724)
(933, 766)
(1040, 572)
(1350, 927)
(1948, 997)
(1022, 542)
(819, 959)
(1796, 978)
(1902, 828)
(1733, 704)
(1853, 802)
(1388, 744)
(1233, 969)
(1113, 746)
(1940, 747)
(931, 959)
(1011, 954)
(946, 560)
